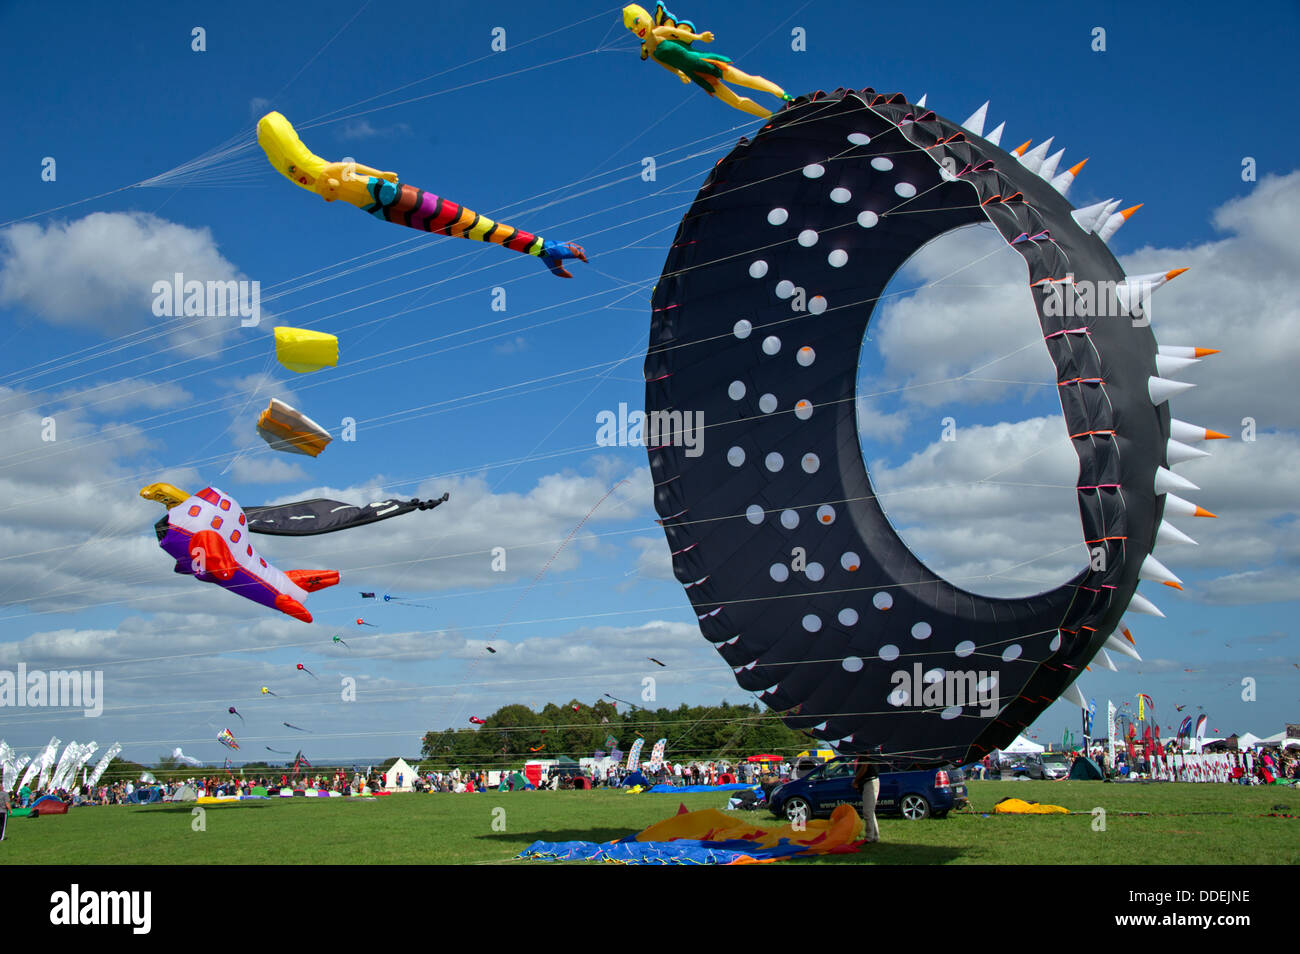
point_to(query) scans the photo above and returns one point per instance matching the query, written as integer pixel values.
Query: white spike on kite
(975, 122)
(1176, 452)
(995, 136)
(1167, 480)
(1167, 366)
(1087, 216)
(1122, 646)
(1167, 533)
(1115, 221)
(1140, 604)
(1033, 159)
(1178, 507)
(1181, 430)
(1063, 182)
(1073, 694)
(1155, 571)
(920, 103)
(1162, 389)
(1107, 661)
(1183, 351)
(1048, 168)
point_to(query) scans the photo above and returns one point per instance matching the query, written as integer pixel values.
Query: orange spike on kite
(1020, 149)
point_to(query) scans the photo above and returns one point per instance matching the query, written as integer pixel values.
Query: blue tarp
(679, 852)
(698, 789)
(145, 796)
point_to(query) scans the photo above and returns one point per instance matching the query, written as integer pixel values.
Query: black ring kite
(792, 567)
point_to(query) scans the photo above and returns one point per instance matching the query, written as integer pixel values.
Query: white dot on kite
(779, 572)
(964, 648)
(987, 683)
(742, 328)
(841, 195)
(898, 697)
(807, 238)
(921, 631)
(882, 601)
(888, 652)
(803, 409)
(951, 712)
(848, 616)
(838, 258)
(905, 189)
(816, 304)
(736, 456)
(789, 519)
(815, 572)
(767, 403)
(852, 663)
(868, 220)
(882, 164)
(859, 139)
(736, 390)
(850, 561)
(774, 462)
(812, 623)
(825, 515)
(810, 463)
(771, 344)
(784, 289)
(758, 269)
(754, 514)
(1012, 652)
(778, 216)
(805, 356)
(1055, 644)
(814, 170)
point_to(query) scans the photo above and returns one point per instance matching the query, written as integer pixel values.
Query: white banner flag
(47, 762)
(103, 763)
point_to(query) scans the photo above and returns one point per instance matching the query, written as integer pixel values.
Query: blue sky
(499, 407)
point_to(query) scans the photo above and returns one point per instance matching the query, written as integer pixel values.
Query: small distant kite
(304, 351)
(302, 668)
(1180, 708)
(537, 748)
(289, 430)
(339, 639)
(491, 650)
(367, 596)
(656, 662)
(234, 712)
(268, 692)
(278, 751)
(477, 721)
(292, 726)
(227, 739)
(362, 622)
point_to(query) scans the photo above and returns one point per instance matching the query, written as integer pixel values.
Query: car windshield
(1054, 760)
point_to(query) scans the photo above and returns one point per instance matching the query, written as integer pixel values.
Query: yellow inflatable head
(287, 153)
(636, 19)
(304, 351)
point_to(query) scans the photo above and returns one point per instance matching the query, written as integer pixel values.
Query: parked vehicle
(927, 793)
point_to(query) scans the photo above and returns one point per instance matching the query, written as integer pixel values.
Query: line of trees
(575, 730)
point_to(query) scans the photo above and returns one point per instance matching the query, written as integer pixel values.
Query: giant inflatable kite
(831, 198)
(380, 194)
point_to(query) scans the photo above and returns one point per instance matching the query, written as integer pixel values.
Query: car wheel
(915, 807)
(796, 808)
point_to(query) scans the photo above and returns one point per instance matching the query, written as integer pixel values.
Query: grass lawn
(1188, 824)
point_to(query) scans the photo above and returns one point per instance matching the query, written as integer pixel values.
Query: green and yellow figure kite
(383, 196)
(669, 40)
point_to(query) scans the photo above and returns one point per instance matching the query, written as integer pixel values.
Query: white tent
(1246, 740)
(400, 767)
(1023, 746)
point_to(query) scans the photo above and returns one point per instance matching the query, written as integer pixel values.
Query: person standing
(867, 780)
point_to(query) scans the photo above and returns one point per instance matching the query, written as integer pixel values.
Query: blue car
(928, 793)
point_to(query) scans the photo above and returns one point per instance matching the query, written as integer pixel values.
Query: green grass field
(1188, 824)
